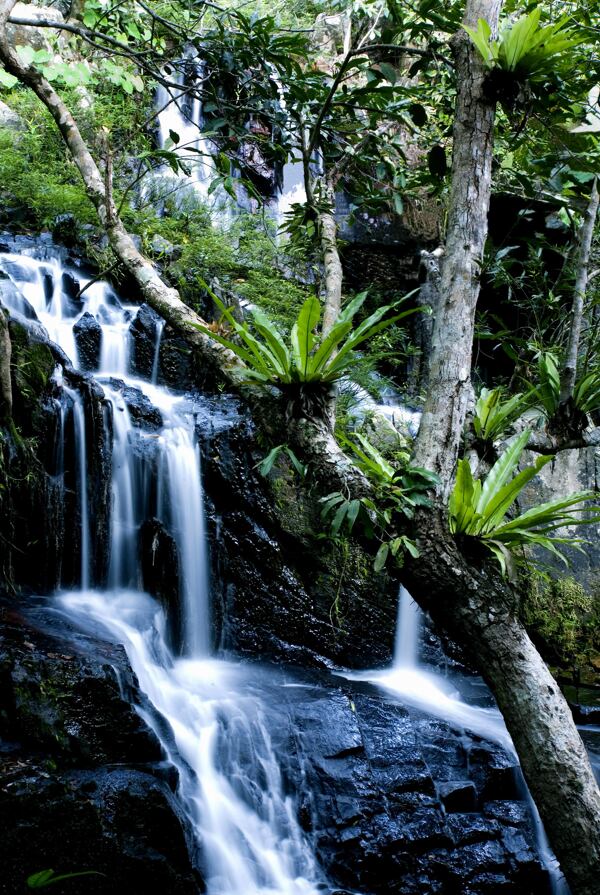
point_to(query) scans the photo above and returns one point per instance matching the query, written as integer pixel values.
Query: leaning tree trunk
(467, 596)
(569, 373)
(470, 600)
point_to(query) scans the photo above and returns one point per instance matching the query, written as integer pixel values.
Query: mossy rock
(33, 364)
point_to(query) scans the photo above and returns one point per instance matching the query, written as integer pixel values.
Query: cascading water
(248, 841)
(430, 692)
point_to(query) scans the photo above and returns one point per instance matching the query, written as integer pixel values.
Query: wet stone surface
(83, 782)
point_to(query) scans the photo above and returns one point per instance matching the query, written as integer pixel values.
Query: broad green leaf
(302, 335)
(381, 557)
(7, 80)
(503, 469)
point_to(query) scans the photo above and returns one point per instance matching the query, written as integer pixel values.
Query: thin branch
(101, 276)
(553, 444)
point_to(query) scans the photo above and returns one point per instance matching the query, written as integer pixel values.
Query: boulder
(26, 35)
(88, 339)
(160, 575)
(10, 119)
(143, 331)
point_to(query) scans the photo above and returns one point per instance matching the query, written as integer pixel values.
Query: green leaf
(7, 80)
(381, 557)
(389, 72)
(481, 38)
(48, 877)
(302, 335)
(503, 469)
(267, 463)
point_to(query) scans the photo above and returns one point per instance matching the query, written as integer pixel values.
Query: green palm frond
(269, 360)
(494, 415)
(525, 47)
(479, 509)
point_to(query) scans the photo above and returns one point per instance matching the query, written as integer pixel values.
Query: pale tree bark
(449, 384)
(332, 265)
(569, 373)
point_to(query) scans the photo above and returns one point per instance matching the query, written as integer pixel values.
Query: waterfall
(406, 648)
(247, 838)
(81, 454)
(425, 689)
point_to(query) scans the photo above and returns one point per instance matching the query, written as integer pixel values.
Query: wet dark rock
(585, 714)
(142, 411)
(72, 302)
(177, 366)
(373, 833)
(121, 823)
(160, 574)
(88, 338)
(277, 590)
(70, 699)
(143, 332)
(458, 796)
(495, 771)
(82, 781)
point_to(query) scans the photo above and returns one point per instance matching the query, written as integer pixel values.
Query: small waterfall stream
(422, 688)
(247, 838)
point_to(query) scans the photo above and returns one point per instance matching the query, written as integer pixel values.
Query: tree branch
(553, 444)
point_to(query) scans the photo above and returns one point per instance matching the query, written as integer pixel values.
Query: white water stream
(179, 110)
(430, 692)
(248, 841)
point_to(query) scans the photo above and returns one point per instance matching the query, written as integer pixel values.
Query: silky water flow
(247, 838)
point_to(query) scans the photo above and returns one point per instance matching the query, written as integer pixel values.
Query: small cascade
(247, 837)
(422, 688)
(406, 649)
(78, 411)
(181, 507)
(230, 783)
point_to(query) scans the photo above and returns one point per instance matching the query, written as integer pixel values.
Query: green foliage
(35, 175)
(48, 877)
(586, 393)
(398, 491)
(478, 509)
(525, 48)
(563, 619)
(546, 392)
(307, 359)
(266, 464)
(494, 416)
